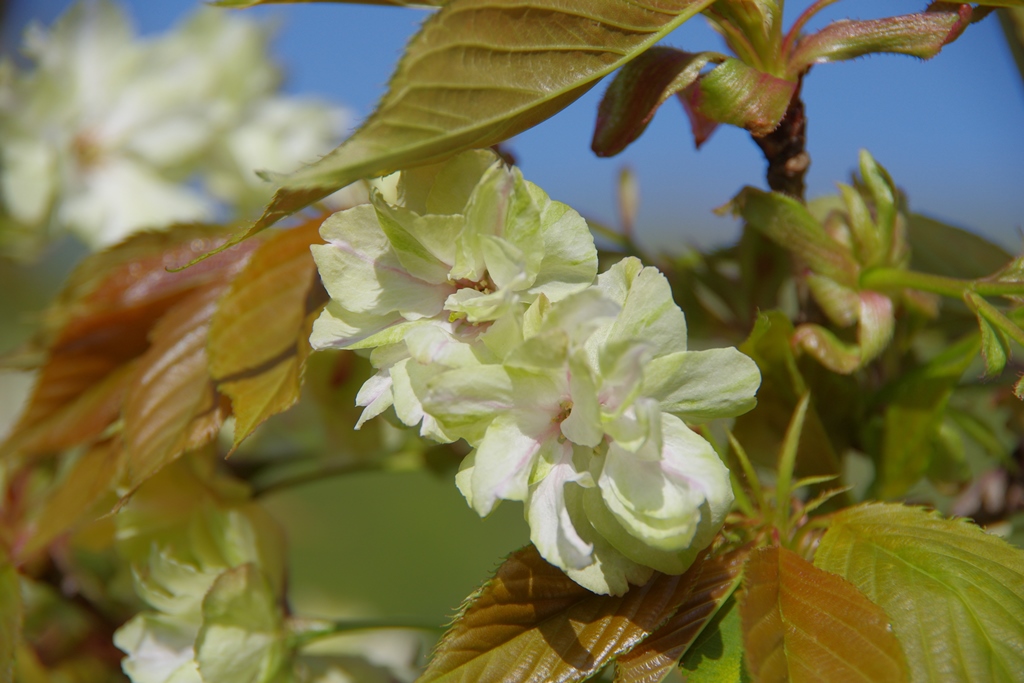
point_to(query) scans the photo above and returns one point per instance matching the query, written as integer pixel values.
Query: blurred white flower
(107, 133)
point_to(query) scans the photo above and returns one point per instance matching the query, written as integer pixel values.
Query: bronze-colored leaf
(93, 476)
(172, 405)
(101, 321)
(401, 3)
(714, 581)
(804, 624)
(259, 336)
(532, 623)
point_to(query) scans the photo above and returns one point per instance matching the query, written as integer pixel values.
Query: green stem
(318, 629)
(896, 278)
(994, 316)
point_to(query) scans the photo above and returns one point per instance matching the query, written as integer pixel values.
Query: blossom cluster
(478, 300)
(107, 133)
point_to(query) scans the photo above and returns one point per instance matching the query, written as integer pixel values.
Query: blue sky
(949, 130)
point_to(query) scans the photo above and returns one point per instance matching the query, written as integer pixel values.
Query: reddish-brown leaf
(714, 582)
(638, 90)
(172, 405)
(532, 623)
(102, 320)
(801, 623)
(259, 336)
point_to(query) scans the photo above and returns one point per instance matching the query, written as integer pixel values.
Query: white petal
(551, 527)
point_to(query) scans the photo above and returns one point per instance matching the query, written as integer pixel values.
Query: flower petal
(700, 385)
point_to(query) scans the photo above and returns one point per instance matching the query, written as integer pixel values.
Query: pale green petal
(583, 425)
(374, 396)
(158, 649)
(700, 385)
(424, 245)
(648, 311)
(242, 638)
(445, 188)
(338, 328)
(638, 429)
(505, 458)
(569, 264)
(622, 369)
(610, 572)
(506, 263)
(361, 271)
(551, 527)
(480, 307)
(464, 401)
(435, 345)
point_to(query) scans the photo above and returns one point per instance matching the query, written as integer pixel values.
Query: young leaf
(954, 594)
(789, 224)
(713, 583)
(532, 623)
(717, 654)
(101, 321)
(921, 35)
(259, 336)
(477, 74)
(742, 96)
(172, 405)
(639, 89)
(804, 624)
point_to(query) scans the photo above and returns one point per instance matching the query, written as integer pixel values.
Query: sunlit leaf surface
(532, 623)
(259, 336)
(954, 594)
(804, 624)
(479, 72)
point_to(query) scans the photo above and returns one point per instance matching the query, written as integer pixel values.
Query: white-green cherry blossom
(470, 242)
(584, 422)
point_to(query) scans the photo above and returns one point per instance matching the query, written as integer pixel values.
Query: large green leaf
(803, 624)
(402, 3)
(954, 594)
(477, 73)
(532, 623)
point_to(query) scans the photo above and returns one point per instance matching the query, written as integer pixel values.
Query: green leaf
(259, 336)
(916, 404)
(478, 73)
(789, 224)
(717, 654)
(922, 35)
(804, 624)
(995, 347)
(713, 585)
(742, 96)
(532, 623)
(402, 3)
(242, 638)
(954, 594)
(639, 89)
